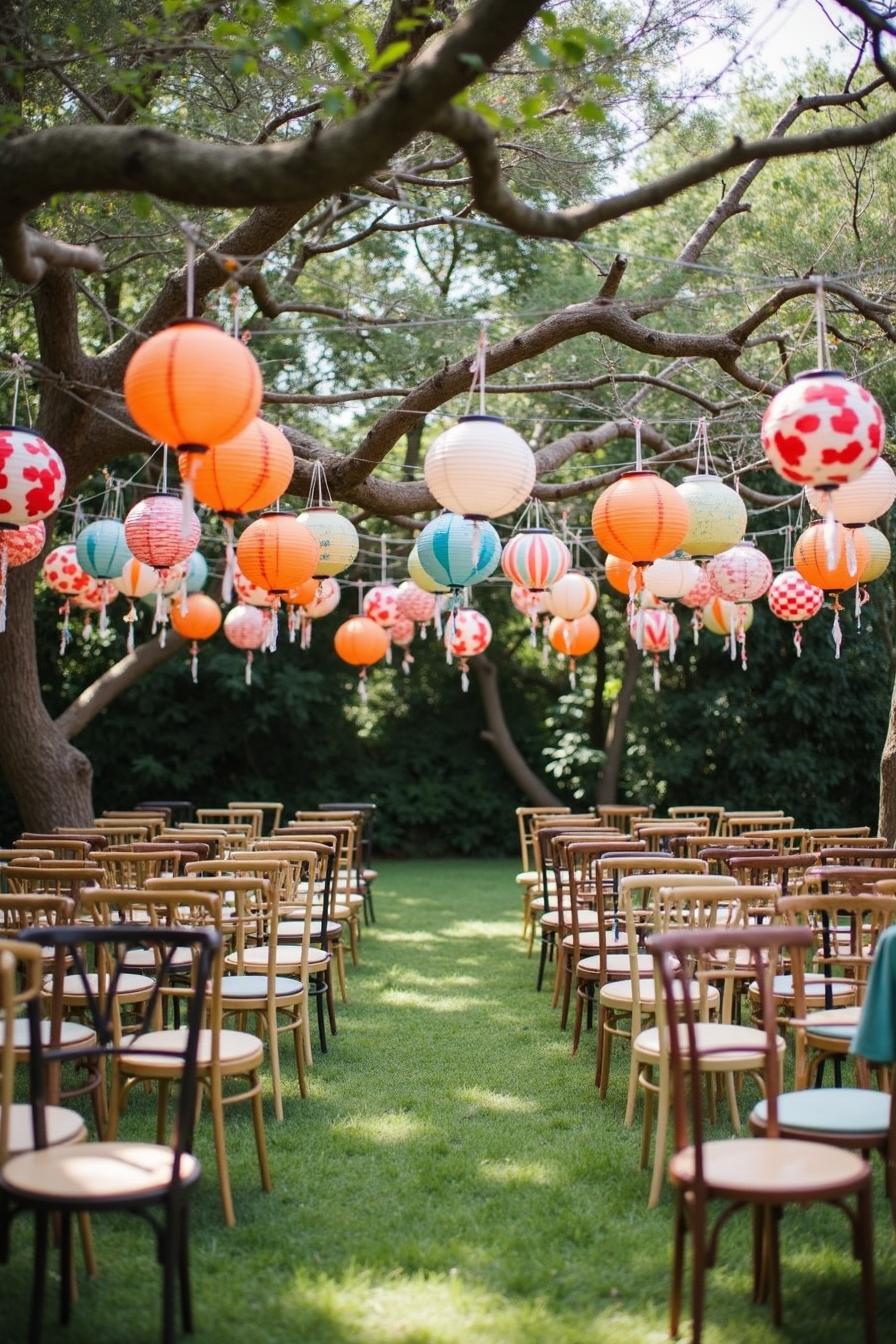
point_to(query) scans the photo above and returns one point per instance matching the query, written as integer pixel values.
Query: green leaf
(389, 55)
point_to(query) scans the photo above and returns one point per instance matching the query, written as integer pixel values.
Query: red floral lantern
(655, 630)
(381, 604)
(32, 477)
(401, 634)
(822, 430)
(467, 634)
(247, 628)
(740, 574)
(18, 545)
(792, 598)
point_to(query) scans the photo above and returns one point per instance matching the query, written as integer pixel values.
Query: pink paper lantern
(21, 544)
(327, 600)
(413, 603)
(248, 592)
(154, 531)
(740, 574)
(700, 595)
(247, 628)
(822, 430)
(381, 604)
(32, 477)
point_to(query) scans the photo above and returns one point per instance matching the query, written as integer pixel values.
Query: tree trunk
(49, 779)
(886, 823)
(498, 736)
(608, 781)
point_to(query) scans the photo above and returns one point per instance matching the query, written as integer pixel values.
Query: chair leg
(663, 1107)
(38, 1285)
(340, 970)
(758, 1218)
(567, 990)
(773, 1261)
(169, 1254)
(306, 1032)
(632, 1097)
(87, 1244)
(353, 938)
(866, 1252)
(698, 1274)
(217, 1108)
(732, 1101)
(260, 1145)
(331, 1005)
(577, 1022)
(66, 1267)
(298, 1037)
(680, 1233)
(542, 962)
(162, 1110)
(319, 999)
(186, 1295)
(274, 1052)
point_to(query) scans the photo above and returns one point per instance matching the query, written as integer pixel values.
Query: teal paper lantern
(197, 572)
(457, 551)
(101, 548)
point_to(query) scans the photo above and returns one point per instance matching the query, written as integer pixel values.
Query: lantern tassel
(187, 498)
(362, 686)
(4, 570)
(64, 633)
(87, 627)
(862, 596)
(437, 617)
(291, 619)
(475, 544)
(229, 554)
(544, 642)
(836, 631)
(104, 618)
(670, 633)
(533, 630)
(423, 629)
(249, 668)
(697, 624)
(656, 672)
(572, 674)
(194, 662)
(270, 644)
(389, 651)
(852, 563)
(406, 662)
(830, 536)
(639, 631)
(798, 638)
(464, 675)
(732, 631)
(163, 637)
(159, 613)
(307, 627)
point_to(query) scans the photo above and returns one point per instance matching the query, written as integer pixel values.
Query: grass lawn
(453, 1177)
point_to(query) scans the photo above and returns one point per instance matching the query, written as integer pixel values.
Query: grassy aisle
(452, 1178)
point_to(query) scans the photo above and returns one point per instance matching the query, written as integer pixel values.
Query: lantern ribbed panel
(860, 501)
(717, 515)
(153, 531)
(102, 548)
(192, 384)
(381, 604)
(572, 596)
(197, 572)
(402, 632)
(617, 573)
(446, 548)
(327, 600)
(360, 641)
(671, 578)
(301, 596)
(336, 536)
(575, 637)
(791, 598)
(741, 574)
(201, 620)
(136, 579)
(414, 603)
(62, 572)
(822, 429)
(480, 467)
(420, 577)
(32, 477)
(811, 559)
(717, 615)
(277, 553)
(22, 544)
(249, 593)
(700, 594)
(468, 633)
(245, 473)
(878, 555)
(246, 627)
(654, 627)
(535, 559)
(640, 518)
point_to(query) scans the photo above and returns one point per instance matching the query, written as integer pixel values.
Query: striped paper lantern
(457, 551)
(102, 548)
(420, 577)
(480, 467)
(535, 559)
(154, 531)
(136, 579)
(277, 552)
(719, 615)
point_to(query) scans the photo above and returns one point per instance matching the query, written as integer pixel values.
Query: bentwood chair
(763, 1174)
(713, 813)
(119, 1176)
(271, 812)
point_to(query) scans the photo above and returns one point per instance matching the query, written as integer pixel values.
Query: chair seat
(618, 964)
(71, 1034)
(237, 1051)
(782, 987)
(287, 957)
(830, 1110)
(835, 1023)
(370, 874)
(727, 1044)
(295, 928)
(87, 1174)
(590, 940)
(776, 1170)
(588, 919)
(318, 958)
(63, 1126)
(145, 959)
(256, 987)
(620, 994)
(128, 986)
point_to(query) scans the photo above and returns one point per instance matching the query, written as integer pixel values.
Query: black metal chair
(122, 1176)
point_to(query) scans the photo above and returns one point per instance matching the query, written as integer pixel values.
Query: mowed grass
(453, 1177)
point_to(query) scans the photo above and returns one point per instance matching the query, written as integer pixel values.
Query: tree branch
(99, 694)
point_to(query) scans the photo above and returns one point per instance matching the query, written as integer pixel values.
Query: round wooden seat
(63, 1126)
(288, 929)
(370, 874)
(89, 1173)
(723, 1043)
(815, 988)
(71, 1034)
(144, 958)
(127, 988)
(834, 1023)
(617, 964)
(254, 988)
(238, 1052)
(620, 994)
(772, 1171)
(836, 1113)
(588, 919)
(287, 957)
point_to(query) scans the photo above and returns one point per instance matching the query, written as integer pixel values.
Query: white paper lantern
(860, 501)
(718, 515)
(337, 537)
(480, 467)
(672, 577)
(572, 596)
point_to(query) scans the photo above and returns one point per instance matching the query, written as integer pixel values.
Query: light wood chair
(622, 815)
(271, 812)
(712, 812)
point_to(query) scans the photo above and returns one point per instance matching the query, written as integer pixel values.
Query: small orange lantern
(298, 598)
(198, 618)
(277, 552)
(245, 473)
(812, 558)
(640, 518)
(618, 573)
(361, 642)
(574, 638)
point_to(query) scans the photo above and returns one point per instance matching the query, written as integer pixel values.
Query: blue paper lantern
(197, 572)
(458, 551)
(101, 548)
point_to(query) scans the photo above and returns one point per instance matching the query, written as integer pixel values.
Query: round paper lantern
(247, 628)
(135, 580)
(655, 631)
(192, 386)
(860, 501)
(32, 477)
(244, 473)
(102, 548)
(480, 467)
(792, 599)
(154, 531)
(457, 551)
(719, 616)
(381, 604)
(572, 596)
(62, 572)
(336, 536)
(277, 552)
(327, 599)
(878, 555)
(198, 619)
(574, 637)
(741, 574)
(617, 573)
(97, 596)
(822, 430)
(250, 594)
(640, 518)
(810, 557)
(700, 594)
(529, 603)
(415, 604)
(402, 635)
(420, 577)
(467, 634)
(361, 643)
(302, 595)
(717, 515)
(18, 545)
(535, 559)
(197, 572)
(671, 577)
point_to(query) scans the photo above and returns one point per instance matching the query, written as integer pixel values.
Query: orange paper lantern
(618, 573)
(575, 638)
(198, 618)
(245, 473)
(810, 558)
(303, 595)
(277, 552)
(361, 642)
(640, 518)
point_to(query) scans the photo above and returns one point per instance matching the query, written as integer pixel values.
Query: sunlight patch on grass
(506, 1171)
(385, 1127)
(434, 1003)
(498, 1101)
(480, 928)
(417, 936)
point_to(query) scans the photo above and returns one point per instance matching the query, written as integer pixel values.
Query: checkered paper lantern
(535, 559)
(792, 598)
(480, 468)
(32, 477)
(467, 634)
(18, 545)
(457, 552)
(741, 574)
(822, 430)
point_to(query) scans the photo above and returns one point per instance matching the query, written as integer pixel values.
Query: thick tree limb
(123, 674)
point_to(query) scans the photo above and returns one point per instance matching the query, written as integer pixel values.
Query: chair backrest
(23, 911)
(18, 961)
(852, 856)
(272, 810)
(737, 822)
(50, 878)
(190, 850)
(787, 839)
(828, 835)
(623, 814)
(713, 812)
(126, 832)
(129, 868)
(153, 821)
(524, 820)
(720, 856)
(271, 867)
(788, 870)
(248, 820)
(64, 847)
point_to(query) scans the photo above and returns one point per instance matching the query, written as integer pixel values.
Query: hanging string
(639, 461)
(478, 367)
(164, 478)
(191, 234)
(821, 327)
(705, 464)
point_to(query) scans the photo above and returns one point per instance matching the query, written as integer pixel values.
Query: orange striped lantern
(199, 618)
(192, 386)
(277, 553)
(18, 545)
(135, 580)
(832, 569)
(360, 642)
(535, 559)
(574, 638)
(640, 518)
(731, 620)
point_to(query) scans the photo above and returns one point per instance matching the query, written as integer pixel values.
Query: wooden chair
(712, 812)
(329, 911)
(785, 839)
(153, 821)
(63, 847)
(622, 815)
(764, 1174)
(659, 834)
(787, 871)
(823, 837)
(863, 855)
(50, 877)
(736, 823)
(228, 817)
(272, 811)
(132, 868)
(90, 1177)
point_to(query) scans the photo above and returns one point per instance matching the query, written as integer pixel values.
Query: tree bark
(886, 823)
(49, 779)
(608, 780)
(116, 679)
(499, 738)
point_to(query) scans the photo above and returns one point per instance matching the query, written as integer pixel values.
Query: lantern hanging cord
(164, 476)
(639, 464)
(191, 235)
(821, 326)
(705, 464)
(479, 371)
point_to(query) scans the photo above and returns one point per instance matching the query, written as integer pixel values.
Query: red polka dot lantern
(574, 638)
(822, 430)
(467, 634)
(32, 477)
(247, 628)
(572, 596)
(792, 598)
(656, 631)
(535, 559)
(416, 604)
(62, 572)
(17, 546)
(401, 634)
(741, 574)
(381, 604)
(361, 642)
(155, 533)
